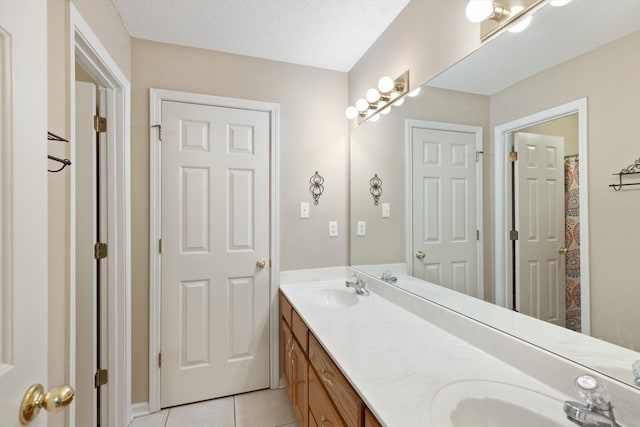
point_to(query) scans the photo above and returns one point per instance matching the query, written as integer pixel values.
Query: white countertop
(400, 364)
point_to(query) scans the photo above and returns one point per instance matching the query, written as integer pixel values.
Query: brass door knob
(420, 255)
(261, 264)
(35, 399)
(562, 250)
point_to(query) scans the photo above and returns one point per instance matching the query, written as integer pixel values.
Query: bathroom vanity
(391, 359)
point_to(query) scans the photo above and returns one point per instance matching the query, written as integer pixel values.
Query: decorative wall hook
(316, 187)
(65, 162)
(632, 169)
(376, 188)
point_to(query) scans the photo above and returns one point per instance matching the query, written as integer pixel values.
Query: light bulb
(415, 92)
(524, 22)
(362, 105)
(559, 3)
(386, 84)
(399, 102)
(351, 112)
(479, 10)
(386, 110)
(372, 95)
(374, 118)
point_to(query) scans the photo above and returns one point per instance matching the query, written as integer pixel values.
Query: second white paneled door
(215, 237)
(445, 209)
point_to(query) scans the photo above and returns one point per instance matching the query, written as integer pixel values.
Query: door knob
(261, 264)
(562, 250)
(35, 399)
(420, 255)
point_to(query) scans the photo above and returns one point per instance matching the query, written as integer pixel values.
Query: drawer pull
(325, 377)
(325, 421)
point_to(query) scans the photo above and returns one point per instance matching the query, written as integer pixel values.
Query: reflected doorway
(540, 273)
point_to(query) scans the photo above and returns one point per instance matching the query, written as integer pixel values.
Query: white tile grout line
(234, 411)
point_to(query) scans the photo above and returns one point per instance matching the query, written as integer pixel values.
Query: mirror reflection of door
(445, 212)
(545, 207)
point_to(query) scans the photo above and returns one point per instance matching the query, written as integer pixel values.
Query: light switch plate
(304, 210)
(333, 228)
(362, 228)
(386, 210)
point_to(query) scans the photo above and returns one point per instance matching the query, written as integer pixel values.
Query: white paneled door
(23, 210)
(215, 252)
(445, 209)
(539, 205)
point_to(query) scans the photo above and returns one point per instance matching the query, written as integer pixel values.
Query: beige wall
(313, 135)
(608, 78)
(105, 21)
(426, 38)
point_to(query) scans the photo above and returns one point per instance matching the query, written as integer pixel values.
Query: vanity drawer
(343, 395)
(321, 409)
(370, 420)
(285, 309)
(300, 331)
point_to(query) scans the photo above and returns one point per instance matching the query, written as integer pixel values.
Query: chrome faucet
(598, 412)
(387, 276)
(635, 367)
(358, 284)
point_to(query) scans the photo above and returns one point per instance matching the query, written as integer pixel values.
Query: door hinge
(477, 234)
(513, 235)
(100, 250)
(478, 154)
(101, 377)
(159, 131)
(160, 246)
(513, 156)
(159, 360)
(99, 124)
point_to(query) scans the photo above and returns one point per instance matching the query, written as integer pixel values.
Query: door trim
(410, 124)
(85, 47)
(156, 97)
(502, 192)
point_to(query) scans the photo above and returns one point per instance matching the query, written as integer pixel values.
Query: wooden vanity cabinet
(320, 393)
(295, 366)
(370, 420)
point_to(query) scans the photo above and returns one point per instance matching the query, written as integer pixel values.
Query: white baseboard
(139, 409)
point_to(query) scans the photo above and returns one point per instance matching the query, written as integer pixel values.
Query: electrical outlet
(333, 228)
(304, 210)
(362, 228)
(386, 210)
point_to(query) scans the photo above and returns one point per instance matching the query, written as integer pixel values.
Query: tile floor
(264, 408)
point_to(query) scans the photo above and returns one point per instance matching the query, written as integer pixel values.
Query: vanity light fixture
(379, 100)
(522, 24)
(480, 10)
(559, 3)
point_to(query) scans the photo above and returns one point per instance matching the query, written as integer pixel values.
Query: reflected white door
(539, 204)
(445, 199)
(215, 228)
(23, 211)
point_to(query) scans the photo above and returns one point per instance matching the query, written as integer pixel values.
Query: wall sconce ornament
(316, 187)
(389, 92)
(375, 188)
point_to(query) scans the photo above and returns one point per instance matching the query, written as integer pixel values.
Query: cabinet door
(286, 341)
(300, 369)
(370, 420)
(320, 407)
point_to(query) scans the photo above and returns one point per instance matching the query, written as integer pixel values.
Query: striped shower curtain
(572, 243)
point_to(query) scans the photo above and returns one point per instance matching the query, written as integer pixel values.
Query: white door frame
(452, 127)
(85, 48)
(502, 261)
(156, 97)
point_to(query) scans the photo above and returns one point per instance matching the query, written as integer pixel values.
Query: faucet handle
(593, 392)
(636, 371)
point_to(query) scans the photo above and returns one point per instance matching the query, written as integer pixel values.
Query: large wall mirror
(458, 217)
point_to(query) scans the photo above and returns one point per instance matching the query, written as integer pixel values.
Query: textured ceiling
(331, 34)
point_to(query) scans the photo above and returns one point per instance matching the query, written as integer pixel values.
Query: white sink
(488, 404)
(334, 298)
